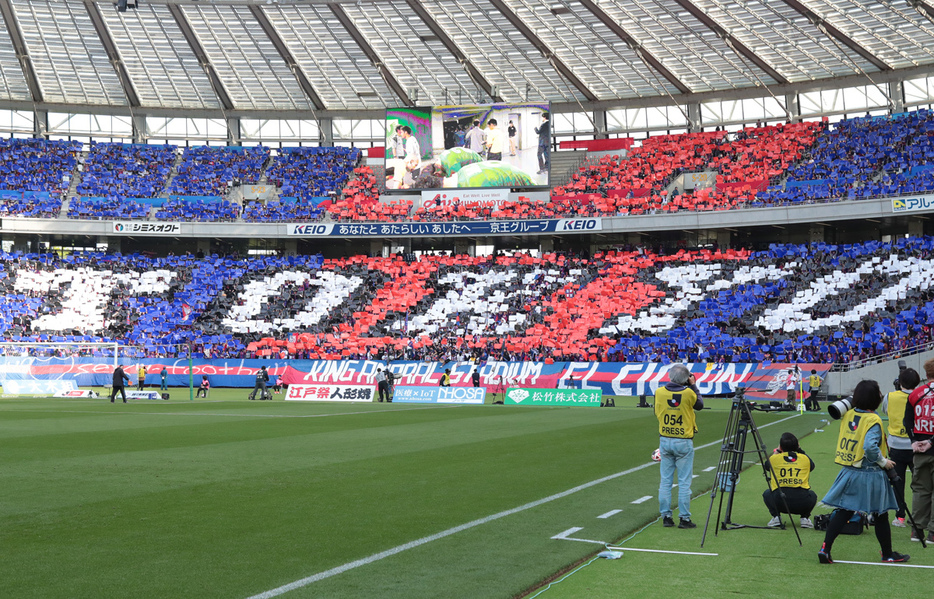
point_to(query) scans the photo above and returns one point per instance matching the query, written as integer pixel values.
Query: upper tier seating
(37, 164)
(206, 209)
(126, 170)
(35, 204)
(211, 171)
(858, 150)
(281, 210)
(106, 208)
(308, 173)
(790, 303)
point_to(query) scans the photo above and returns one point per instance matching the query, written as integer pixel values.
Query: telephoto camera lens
(838, 408)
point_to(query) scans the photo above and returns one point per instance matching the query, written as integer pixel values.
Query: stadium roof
(340, 55)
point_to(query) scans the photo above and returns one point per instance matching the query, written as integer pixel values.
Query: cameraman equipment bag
(857, 524)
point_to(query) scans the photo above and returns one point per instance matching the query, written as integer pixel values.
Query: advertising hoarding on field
(553, 397)
(445, 395)
(325, 392)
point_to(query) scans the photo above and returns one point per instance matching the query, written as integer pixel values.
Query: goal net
(52, 368)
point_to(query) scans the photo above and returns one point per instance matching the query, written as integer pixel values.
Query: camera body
(901, 366)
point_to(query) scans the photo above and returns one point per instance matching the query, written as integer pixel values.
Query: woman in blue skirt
(862, 485)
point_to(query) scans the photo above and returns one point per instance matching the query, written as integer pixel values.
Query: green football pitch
(230, 498)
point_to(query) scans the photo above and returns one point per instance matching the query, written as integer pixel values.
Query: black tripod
(894, 478)
(733, 449)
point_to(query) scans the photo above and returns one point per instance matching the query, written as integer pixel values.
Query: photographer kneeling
(791, 470)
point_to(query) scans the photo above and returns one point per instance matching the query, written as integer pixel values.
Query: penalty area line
(303, 582)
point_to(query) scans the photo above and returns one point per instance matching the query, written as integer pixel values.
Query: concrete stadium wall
(842, 383)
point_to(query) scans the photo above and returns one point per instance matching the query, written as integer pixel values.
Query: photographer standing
(900, 451)
(814, 383)
(862, 485)
(919, 424)
(675, 404)
(792, 471)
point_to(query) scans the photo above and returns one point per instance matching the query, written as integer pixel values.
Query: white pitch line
(563, 537)
(890, 564)
(303, 582)
(642, 499)
(570, 531)
(608, 514)
(708, 469)
(662, 551)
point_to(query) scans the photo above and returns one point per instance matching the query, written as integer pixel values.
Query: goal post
(27, 364)
(29, 367)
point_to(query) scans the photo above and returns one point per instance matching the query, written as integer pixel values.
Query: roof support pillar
(897, 95)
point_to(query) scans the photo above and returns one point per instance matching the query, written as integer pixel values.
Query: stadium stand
(211, 171)
(95, 208)
(201, 209)
(37, 164)
(785, 304)
(307, 173)
(126, 170)
(36, 204)
(281, 210)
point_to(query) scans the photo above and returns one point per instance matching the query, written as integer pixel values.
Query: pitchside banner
(771, 381)
(142, 395)
(610, 378)
(464, 395)
(553, 397)
(344, 393)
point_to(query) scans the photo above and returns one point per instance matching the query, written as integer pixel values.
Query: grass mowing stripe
(451, 531)
(234, 415)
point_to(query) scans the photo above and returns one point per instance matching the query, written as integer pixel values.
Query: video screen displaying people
(471, 146)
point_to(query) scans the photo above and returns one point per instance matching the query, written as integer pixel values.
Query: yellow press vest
(853, 429)
(791, 469)
(814, 381)
(675, 412)
(897, 402)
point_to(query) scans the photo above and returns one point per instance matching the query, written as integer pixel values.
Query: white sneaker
(899, 523)
(775, 522)
(806, 523)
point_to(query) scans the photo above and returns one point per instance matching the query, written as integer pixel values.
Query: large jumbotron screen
(468, 147)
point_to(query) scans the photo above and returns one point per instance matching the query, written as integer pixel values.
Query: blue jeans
(677, 454)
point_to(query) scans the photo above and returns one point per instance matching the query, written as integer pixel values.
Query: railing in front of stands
(908, 351)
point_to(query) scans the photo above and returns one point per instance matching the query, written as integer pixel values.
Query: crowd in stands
(755, 167)
(116, 171)
(37, 164)
(790, 303)
(211, 171)
(310, 172)
(202, 210)
(35, 204)
(284, 210)
(106, 208)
